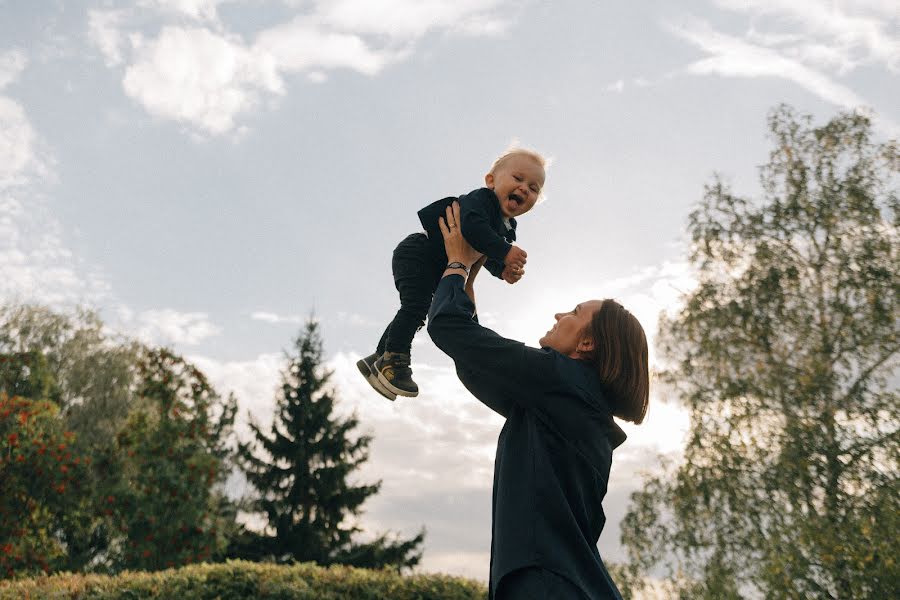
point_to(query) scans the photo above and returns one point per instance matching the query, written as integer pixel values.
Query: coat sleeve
(476, 224)
(494, 267)
(497, 370)
(486, 390)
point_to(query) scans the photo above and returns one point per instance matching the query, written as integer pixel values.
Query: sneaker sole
(373, 380)
(394, 390)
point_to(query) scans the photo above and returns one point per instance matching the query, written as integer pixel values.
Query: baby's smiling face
(517, 181)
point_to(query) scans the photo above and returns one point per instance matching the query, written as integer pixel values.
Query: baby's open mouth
(516, 198)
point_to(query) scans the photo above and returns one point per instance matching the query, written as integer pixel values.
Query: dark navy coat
(482, 226)
(553, 454)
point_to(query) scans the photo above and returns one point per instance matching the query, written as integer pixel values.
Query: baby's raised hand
(512, 274)
(516, 257)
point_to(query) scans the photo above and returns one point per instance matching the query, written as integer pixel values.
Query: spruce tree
(301, 475)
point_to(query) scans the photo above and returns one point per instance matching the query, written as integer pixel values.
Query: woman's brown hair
(620, 357)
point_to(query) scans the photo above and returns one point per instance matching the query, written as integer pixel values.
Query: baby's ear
(489, 181)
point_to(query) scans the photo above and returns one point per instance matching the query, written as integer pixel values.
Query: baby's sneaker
(366, 366)
(394, 374)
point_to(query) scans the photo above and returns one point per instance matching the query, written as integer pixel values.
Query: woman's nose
(557, 316)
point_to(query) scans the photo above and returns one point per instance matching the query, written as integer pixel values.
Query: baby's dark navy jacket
(554, 452)
(482, 226)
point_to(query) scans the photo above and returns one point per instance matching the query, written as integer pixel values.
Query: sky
(208, 173)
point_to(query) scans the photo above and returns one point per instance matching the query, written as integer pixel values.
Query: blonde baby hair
(516, 149)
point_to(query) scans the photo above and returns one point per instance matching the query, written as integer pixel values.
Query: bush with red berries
(40, 479)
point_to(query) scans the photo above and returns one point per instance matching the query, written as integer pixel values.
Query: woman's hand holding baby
(458, 249)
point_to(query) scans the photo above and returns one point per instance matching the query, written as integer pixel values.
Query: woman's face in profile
(570, 329)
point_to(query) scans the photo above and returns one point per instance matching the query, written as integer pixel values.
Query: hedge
(242, 580)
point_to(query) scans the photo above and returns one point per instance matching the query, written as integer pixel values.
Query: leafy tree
(26, 374)
(785, 357)
(70, 359)
(301, 475)
(93, 374)
(164, 494)
(104, 388)
(41, 479)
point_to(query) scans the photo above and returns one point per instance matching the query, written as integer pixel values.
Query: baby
(488, 221)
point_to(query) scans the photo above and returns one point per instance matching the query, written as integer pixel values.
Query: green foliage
(160, 496)
(301, 475)
(627, 579)
(239, 580)
(157, 433)
(27, 375)
(92, 375)
(785, 356)
(92, 378)
(386, 550)
(41, 479)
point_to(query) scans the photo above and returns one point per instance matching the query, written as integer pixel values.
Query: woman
(554, 452)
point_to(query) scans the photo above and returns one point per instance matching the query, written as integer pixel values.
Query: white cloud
(410, 19)
(104, 33)
(12, 63)
(804, 42)
(481, 25)
(171, 327)
(303, 45)
(35, 264)
(253, 382)
(268, 317)
(463, 564)
(357, 320)
(17, 144)
(208, 78)
(730, 56)
(619, 85)
(196, 76)
(442, 442)
(195, 9)
(841, 34)
(825, 56)
(18, 154)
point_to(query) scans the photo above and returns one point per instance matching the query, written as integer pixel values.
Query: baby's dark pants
(417, 272)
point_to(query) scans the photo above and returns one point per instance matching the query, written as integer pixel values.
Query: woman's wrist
(453, 259)
(456, 271)
(455, 264)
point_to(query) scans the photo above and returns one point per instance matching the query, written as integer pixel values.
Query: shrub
(40, 485)
(240, 580)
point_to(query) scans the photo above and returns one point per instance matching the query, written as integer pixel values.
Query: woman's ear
(585, 345)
